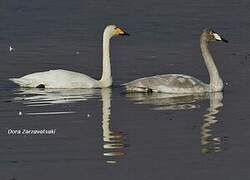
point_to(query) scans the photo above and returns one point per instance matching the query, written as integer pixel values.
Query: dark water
(105, 134)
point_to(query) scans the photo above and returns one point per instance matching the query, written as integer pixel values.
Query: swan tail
(21, 82)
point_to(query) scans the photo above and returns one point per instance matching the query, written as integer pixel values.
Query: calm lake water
(104, 133)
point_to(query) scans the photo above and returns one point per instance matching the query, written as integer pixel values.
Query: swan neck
(216, 83)
(106, 79)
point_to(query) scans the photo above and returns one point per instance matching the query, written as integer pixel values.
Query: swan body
(170, 83)
(57, 79)
(180, 83)
(68, 79)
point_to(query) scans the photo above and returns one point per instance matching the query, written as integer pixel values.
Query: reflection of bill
(113, 142)
(210, 142)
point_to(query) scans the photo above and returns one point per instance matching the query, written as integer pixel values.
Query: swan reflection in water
(210, 142)
(165, 101)
(113, 141)
(45, 97)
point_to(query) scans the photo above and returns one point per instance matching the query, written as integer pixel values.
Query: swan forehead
(110, 28)
(217, 36)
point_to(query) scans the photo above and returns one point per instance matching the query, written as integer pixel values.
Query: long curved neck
(216, 83)
(106, 79)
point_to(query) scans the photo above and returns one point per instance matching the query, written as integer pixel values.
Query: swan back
(170, 83)
(57, 79)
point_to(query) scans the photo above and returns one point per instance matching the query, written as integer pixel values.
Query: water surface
(105, 133)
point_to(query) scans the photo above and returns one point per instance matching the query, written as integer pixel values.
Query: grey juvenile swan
(180, 83)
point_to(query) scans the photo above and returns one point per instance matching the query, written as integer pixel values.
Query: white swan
(180, 83)
(68, 79)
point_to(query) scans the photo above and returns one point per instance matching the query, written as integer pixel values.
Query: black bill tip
(224, 40)
(125, 34)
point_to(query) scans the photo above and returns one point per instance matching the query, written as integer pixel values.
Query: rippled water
(104, 133)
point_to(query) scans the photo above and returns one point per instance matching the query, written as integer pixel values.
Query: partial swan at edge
(68, 79)
(180, 83)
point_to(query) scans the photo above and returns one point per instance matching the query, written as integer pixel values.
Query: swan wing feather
(57, 79)
(169, 83)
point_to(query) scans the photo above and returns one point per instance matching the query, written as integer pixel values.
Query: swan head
(212, 36)
(113, 30)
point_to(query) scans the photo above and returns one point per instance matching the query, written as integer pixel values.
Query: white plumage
(68, 79)
(57, 79)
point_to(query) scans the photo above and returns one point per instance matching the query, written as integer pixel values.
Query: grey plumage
(180, 83)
